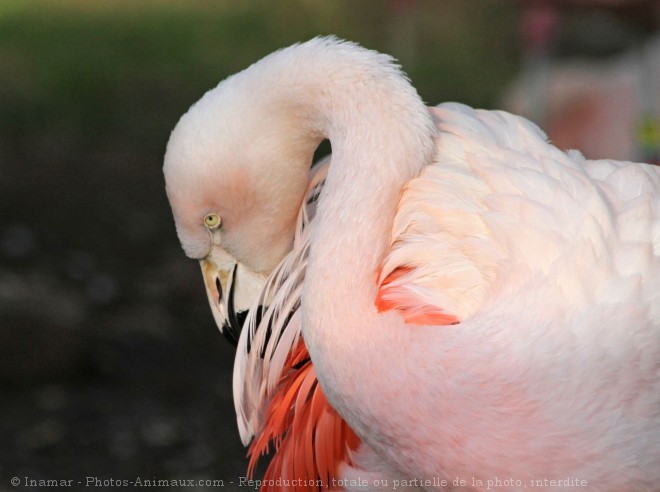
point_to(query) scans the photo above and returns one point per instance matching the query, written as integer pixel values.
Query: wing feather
(278, 399)
(500, 206)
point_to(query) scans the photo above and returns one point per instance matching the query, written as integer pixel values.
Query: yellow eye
(212, 220)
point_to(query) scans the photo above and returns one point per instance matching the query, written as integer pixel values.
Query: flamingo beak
(231, 289)
(217, 282)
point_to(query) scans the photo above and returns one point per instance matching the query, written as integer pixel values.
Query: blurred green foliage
(91, 89)
(85, 67)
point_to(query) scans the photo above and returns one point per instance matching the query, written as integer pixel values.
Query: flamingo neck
(382, 136)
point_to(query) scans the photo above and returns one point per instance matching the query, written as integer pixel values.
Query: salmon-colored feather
(394, 295)
(311, 440)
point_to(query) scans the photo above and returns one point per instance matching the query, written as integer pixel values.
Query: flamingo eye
(212, 221)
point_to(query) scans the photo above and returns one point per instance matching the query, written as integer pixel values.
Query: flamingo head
(236, 171)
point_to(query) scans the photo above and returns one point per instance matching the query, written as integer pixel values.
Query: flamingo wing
(498, 205)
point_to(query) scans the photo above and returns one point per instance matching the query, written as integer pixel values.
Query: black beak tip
(231, 333)
(234, 325)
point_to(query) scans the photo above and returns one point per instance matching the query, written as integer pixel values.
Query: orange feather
(392, 295)
(311, 440)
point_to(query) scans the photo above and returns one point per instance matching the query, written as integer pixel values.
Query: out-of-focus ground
(110, 363)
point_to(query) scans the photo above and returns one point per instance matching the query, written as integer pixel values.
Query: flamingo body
(462, 301)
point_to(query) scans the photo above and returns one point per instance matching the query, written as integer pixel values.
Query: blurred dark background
(110, 363)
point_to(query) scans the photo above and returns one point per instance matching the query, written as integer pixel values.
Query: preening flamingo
(451, 303)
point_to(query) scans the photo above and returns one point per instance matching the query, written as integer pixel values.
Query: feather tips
(265, 343)
(311, 440)
(395, 293)
(276, 392)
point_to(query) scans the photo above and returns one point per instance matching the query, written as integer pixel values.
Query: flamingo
(449, 302)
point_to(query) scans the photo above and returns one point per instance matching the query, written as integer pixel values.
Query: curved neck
(382, 136)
